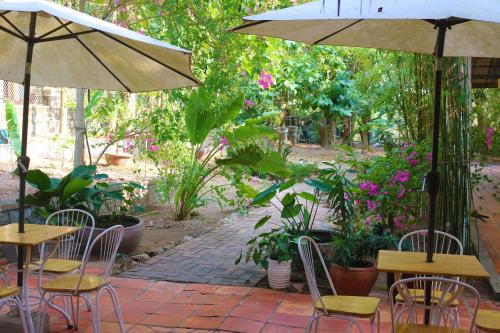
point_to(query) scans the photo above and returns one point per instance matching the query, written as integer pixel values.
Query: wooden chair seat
(8, 291)
(420, 294)
(69, 283)
(57, 266)
(357, 306)
(488, 320)
(420, 328)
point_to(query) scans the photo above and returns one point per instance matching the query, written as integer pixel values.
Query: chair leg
(22, 315)
(116, 305)
(311, 321)
(95, 323)
(42, 307)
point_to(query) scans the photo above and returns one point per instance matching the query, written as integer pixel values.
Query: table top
(34, 234)
(443, 265)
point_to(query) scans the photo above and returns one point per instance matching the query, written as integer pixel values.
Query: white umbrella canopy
(455, 28)
(403, 25)
(76, 50)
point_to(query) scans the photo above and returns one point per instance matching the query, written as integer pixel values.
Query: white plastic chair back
(444, 243)
(445, 293)
(103, 249)
(70, 246)
(308, 249)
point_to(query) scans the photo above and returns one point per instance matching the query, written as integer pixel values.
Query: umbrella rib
(248, 25)
(12, 33)
(63, 37)
(148, 56)
(336, 32)
(55, 29)
(12, 25)
(95, 56)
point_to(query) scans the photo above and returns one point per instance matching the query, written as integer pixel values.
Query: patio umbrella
(42, 43)
(451, 28)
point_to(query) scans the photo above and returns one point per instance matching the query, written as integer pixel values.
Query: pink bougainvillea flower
(153, 148)
(364, 186)
(356, 202)
(249, 103)
(386, 193)
(346, 196)
(398, 222)
(373, 190)
(254, 179)
(429, 157)
(371, 205)
(489, 138)
(368, 221)
(266, 80)
(141, 32)
(378, 217)
(224, 142)
(123, 9)
(129, 144)
(401, 194)
(413, 162)
(110, 138)
(118, 2)
(402, 176)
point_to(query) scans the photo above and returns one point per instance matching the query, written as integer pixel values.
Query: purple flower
(364, 186)
(153, 148)
(429, 157)
(117, 2)
(402, 176)
(266, 80)
(413, 162)
(356, 202)
(371, 205)
(254, 179)
(386, 193)
(110, 138)
(346, 196)
(249, 103)
(373, 190)
(129, 144)
(224, 142)
(378, 217)
(401, 194)
(489, 138)
(398, 222)
(368, 221)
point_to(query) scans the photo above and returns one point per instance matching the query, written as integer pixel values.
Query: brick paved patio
(159, 306)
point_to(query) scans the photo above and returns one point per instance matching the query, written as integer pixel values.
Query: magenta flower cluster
(372, 188)
(266, 80)
(489, 138)
(248, 104)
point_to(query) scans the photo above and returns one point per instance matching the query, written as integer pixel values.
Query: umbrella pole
(23, 160)
(433, 176)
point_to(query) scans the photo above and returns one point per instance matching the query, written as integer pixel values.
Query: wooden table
(34, 234)
(443, 265)
(449, 265)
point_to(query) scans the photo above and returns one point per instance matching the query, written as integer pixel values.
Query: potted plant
(276, 248)
(356, 242)
(112, 204)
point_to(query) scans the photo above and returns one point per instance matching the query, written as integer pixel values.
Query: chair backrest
(308, 250)
(451, 303)
(444, 243)
(103, 249)
(70, 246)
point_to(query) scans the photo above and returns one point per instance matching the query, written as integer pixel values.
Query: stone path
(210, 258)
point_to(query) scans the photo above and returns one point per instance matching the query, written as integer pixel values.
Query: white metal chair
(443, 319)
(417, 241)
(9, 296)
(66, 257)
(349, 308)
(93, 278)
(444, 243)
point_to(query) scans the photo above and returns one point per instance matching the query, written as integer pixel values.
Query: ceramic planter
(117, 159)
(132, 235)
(353, 281)
(279, 273)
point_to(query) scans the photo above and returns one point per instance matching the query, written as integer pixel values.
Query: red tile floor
(152, 306)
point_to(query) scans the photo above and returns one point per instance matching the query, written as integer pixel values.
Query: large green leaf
(265, 196)
(262, 221)
(198, 117)
(94, 101)
(83, 171)
(13, 128)
(250, 132)
(289, 212)
(38, 179)
(320, 185)
(75, 186)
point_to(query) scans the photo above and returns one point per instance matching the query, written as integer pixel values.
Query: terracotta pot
(117, 159)
(279, 273)
(132, 235)
(353, 281)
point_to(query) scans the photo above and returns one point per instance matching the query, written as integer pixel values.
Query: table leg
(25, 289)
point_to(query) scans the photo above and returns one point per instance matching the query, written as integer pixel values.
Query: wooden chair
(488, 321)
(443, 317)
(349, 308)
(93, 278)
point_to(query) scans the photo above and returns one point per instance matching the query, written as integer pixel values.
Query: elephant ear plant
(58, 193)
(297, 212)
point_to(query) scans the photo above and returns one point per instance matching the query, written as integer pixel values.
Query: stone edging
(484, 258)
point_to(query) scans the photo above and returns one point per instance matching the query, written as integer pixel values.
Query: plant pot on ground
(279, 273)
(132, 235)
(117, 159)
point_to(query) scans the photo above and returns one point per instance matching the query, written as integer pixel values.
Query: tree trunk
(346, 132)
(327, 130)
(79, 128)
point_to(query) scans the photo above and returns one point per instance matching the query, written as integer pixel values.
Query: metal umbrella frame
(387, 24)
(140, 63)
